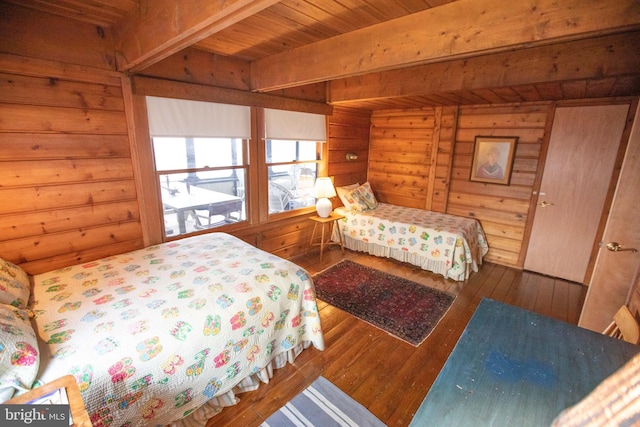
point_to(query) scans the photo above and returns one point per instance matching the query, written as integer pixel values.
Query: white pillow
(14, 285)
(19, 354)
(343, 193)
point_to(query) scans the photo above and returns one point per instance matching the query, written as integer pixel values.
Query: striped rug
(322, 404)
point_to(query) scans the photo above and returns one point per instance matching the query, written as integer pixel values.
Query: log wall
(400, 155)
(411, 154)
(503, 210)
(348, 133)
(65, 166)
(422, 158)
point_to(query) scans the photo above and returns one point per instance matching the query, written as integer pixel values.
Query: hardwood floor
(387, 375)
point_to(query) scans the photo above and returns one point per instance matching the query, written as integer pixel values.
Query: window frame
(263, 173)
(256, 200)
(317, 163)
(245, 166)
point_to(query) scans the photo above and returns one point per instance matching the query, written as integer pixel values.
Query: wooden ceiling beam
(595, 58)
(169, 89)
(462, 29)
(157, 29)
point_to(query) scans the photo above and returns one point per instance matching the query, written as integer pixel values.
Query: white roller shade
(294, 125)
(180, 117)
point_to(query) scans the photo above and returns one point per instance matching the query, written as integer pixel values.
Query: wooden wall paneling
(286, 238)
(65, 164)
(45, 196)
(42, 146)
(71, 258)
(35, 34)
(504, 208)
(198, 66)
(399, 155)
(24, 66)
(55, 92)
(29, 118)
(51, 245)
(442, 171)
(26, 224)
(32, 173)
(433, 158)
(348, 131)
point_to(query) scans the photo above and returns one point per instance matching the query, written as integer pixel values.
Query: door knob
(617, 247)
(544, 204)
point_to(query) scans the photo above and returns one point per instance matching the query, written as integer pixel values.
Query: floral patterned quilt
(152, 334)
(445, 244)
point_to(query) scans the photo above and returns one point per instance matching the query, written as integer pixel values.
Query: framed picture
(493, 159)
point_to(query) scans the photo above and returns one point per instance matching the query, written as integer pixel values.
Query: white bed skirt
(438, 267)
(201, 416)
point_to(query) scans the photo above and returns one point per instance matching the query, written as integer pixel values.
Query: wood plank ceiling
(429, 52)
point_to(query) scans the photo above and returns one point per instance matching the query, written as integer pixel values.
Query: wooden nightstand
(79, 414)
(333, 221)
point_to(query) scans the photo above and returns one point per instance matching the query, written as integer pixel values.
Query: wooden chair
(624, 326)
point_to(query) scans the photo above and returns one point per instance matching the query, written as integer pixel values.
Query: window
(292, 169)
(202, 182)
(199, 151)
(293, 153)
(206, 163)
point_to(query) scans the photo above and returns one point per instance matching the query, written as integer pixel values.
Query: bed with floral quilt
(449, 245)
(163, 335)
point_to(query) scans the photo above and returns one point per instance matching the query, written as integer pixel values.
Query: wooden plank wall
(348, 133)
(442, 158)
(400, 155)
(411, 153)
(65, 166)
(503, 210)
(422, 158)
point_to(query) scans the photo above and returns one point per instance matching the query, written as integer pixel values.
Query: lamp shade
(324, 188)
(322, 191)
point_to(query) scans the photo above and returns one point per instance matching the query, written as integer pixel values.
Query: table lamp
(322, 191)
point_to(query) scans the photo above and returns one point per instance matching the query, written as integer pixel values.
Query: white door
(583, 146)
(614, 271)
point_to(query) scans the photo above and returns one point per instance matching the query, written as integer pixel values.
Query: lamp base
(324, 207)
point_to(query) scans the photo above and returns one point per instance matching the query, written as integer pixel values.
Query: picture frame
(493, 159)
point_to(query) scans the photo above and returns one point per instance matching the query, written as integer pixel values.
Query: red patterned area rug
(403, 308)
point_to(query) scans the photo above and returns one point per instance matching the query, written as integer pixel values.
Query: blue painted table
(512, 367)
